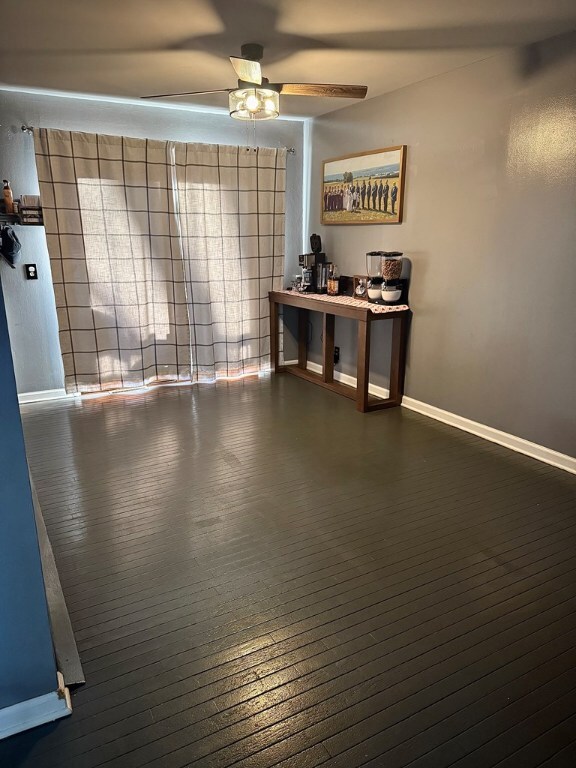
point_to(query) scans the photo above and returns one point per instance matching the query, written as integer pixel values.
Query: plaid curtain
(162, 256)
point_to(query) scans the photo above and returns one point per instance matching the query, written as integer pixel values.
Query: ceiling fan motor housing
(252, 51)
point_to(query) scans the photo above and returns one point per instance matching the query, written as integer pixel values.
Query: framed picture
(365, 188)
(359, 287)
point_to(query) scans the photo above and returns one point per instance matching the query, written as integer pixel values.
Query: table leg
(274, 357)
(328, 348)
(398, 361)
(363, 365)
(302, 338)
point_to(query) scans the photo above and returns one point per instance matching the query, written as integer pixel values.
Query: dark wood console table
(342, 306)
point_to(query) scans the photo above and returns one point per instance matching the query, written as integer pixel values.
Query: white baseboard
(43, 709)
(518, 444)
(344, 378)
(45, 394)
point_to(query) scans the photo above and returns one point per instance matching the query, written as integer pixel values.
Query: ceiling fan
(255, 98)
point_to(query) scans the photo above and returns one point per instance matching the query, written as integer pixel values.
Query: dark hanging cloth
(10, 246)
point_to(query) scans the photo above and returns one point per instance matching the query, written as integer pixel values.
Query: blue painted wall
(27, 667)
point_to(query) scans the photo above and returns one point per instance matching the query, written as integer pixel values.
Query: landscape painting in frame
(366, 188)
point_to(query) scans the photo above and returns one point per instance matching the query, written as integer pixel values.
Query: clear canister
(391, 265)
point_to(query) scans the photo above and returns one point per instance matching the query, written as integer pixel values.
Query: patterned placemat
(352, 302)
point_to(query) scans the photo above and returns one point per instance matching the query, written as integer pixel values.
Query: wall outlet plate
(31, 271)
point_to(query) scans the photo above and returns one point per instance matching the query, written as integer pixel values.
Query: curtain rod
(29, 129)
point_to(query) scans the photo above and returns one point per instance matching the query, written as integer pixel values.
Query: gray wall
(490, 228)
(27, 667)
(30, 304)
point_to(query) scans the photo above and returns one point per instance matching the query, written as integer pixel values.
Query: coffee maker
(315, 268)
(307, 263)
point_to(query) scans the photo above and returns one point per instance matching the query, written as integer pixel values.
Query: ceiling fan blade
(318, 89)
(189, 93)
(247, 70)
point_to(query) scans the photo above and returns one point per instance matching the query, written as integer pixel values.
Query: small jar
(333, 283)
(391, 265)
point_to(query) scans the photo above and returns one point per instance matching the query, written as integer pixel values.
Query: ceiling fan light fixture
(254, 104)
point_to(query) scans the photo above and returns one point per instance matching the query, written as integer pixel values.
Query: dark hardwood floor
(260, 576)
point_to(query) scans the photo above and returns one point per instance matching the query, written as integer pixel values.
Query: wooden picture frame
(356, 280)
(347, 180)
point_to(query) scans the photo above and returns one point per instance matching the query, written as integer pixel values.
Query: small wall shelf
(14, 218)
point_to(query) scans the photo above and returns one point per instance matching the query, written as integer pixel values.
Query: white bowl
(374, 293)
(391, 296)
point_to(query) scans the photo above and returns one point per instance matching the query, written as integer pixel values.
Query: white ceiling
(129, 48)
